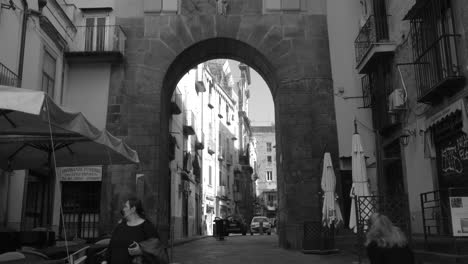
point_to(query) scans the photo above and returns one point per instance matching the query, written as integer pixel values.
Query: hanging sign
(87, 173)
(459, 211)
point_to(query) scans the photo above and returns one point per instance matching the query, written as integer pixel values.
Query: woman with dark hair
(126, 242)
(386, 243)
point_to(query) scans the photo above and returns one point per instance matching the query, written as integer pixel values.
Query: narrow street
(249, 249)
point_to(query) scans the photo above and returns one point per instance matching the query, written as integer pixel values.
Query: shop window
(81, 209)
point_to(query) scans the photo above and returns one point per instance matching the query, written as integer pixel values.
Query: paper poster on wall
(459, 211)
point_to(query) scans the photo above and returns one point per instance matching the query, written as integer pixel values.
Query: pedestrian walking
(386, 243)
(135, 240)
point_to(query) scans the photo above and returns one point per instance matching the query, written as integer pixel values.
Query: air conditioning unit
(396, 101)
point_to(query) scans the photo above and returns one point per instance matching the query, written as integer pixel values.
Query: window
(271, 197)
(48, 74)
(227, 113)
(219, 105)
(95, 34)
(209, 176)
(268, 144)
(277, 5)
(434, 47)
(269, 159)
(269, 175)
(221, 183)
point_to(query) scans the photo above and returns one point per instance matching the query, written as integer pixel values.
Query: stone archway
(290, 51)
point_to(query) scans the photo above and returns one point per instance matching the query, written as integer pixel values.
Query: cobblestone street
(247, 250)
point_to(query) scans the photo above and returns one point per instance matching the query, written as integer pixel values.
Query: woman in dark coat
(126, 241)
(386, 243)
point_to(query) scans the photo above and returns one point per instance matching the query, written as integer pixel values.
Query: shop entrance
(81, 207)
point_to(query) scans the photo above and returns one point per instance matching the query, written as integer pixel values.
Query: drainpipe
(23, 42)
(26, 13)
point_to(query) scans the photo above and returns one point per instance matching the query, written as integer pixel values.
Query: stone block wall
(289, 50)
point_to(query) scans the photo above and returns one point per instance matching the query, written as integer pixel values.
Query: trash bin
(218, 230)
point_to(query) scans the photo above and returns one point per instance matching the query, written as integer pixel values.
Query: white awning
(33, 127)
(459, 105)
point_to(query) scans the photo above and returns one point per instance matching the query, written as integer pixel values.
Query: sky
(261, 108)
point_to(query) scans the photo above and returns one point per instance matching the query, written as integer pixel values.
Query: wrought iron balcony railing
(437, 69)
(8, 77)
(375, 30)
(99, 39)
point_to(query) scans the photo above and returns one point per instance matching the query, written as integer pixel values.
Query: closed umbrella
(360, 185)
(331, 213)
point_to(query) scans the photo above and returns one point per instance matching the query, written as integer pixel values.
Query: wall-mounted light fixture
(405, 135)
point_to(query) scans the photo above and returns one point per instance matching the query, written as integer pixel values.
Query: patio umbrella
(33, 127)
(331, 213)
(360, 186)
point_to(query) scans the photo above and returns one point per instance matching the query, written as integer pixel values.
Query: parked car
(255, 225)
(235, 224)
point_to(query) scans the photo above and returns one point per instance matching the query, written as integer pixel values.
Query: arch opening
(185, 163)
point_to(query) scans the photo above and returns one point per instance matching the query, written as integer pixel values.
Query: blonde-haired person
(386, 243)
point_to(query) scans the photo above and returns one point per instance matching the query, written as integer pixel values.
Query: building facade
(65, 49)
(266, 183)
(409, 57)
(209, 176)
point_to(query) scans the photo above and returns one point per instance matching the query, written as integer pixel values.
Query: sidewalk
(181, 241)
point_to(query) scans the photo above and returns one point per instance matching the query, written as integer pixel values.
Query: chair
(8, 256)
(104, 241)
(78, 257)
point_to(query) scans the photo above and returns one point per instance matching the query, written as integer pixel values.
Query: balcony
(371, 42)
(8, 77)
(222, 191)
(200, 87)
(437, 70)
(97, 44)
(176, 103)
(210, 101)
(190, 122)
(200, 142)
